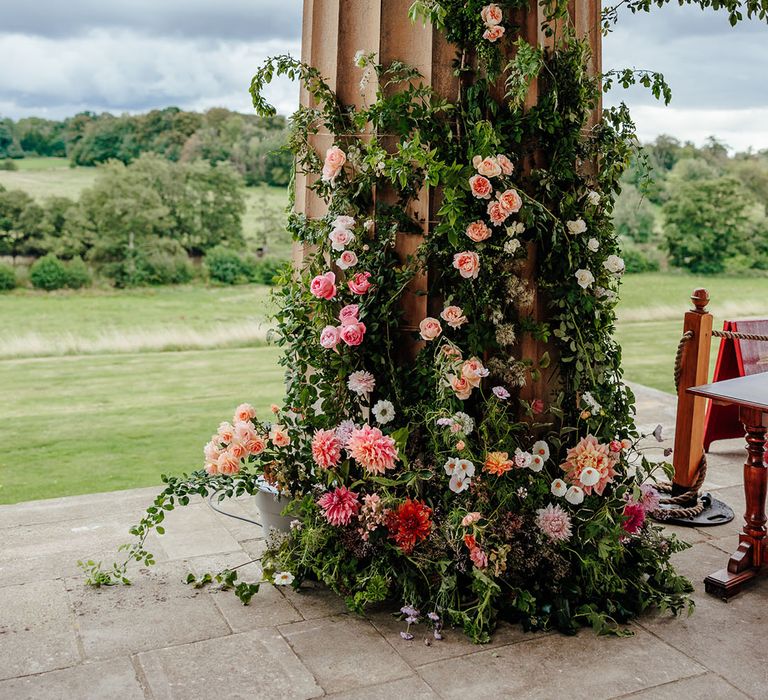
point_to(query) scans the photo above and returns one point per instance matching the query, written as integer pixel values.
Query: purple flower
(406, 635)
(437, 634)
(410, 611)
(411, 620)
(433, 616)
(501, 393)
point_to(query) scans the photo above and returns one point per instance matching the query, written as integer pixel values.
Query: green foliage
(78, 274)
(640, 258)
(155, 262)
(8, 164)
(228, 266)
(7, 277)
(705, 222)
(634, 216)
(21, 230)
(48, 273)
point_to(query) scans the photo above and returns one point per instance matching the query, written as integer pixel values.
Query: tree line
(698, 209)
(252, 145)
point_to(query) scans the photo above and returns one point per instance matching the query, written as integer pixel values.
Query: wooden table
(750, 394)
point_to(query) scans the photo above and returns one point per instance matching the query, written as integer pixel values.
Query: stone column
(334, 30)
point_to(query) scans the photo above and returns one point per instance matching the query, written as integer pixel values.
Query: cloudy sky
(57, 58)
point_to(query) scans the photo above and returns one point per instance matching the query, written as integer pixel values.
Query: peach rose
(497, 213)
(478, 231)
(237, 450)
(467, 263)
(279, 436)
(342, 221)
(256, 446)
(505, 164)
(473, 371)
(453, 316)
(480, 186)
(488, 167)
(470, 518)
(334, 162)
(227, 464)
(341, 238)
(329, 337)
(430, 328)
(347, 259)
(353, 333)
(491, 15)
(226, 432)
(360, 283)
(461, 386)
(244, 412)
(460, 445)
(323, 286)
(510, 200)
(212, 450)
(493, 33)
(451, 352)
(244, 431)
(211, 468)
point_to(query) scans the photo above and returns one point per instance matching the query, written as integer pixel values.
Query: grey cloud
(222, 19)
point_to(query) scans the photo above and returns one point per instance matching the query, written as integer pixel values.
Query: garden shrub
(8, 164)
(48, 273)
(264, 271)
(228, 267)
(78, 274)
(7, 278)
(163, 262)
(638, 260)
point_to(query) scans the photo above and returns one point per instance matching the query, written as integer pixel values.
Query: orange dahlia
(409, 523)
(498, 463)
(590, 453)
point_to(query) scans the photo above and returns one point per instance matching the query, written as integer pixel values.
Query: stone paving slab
(162, 639)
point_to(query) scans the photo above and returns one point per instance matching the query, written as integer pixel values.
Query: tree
(634, 216)
(21, 231)
(706, 221)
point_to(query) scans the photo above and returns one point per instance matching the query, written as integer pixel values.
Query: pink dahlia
(634, 515)
(339, 506)
(326, 448)
(372, 449)
(554, 522)
(590, 453)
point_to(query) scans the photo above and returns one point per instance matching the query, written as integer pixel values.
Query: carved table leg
(746, 561)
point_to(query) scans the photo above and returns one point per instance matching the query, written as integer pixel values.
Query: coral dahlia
(372, 449)
(409, 523)
(326, 448)
(590, 453)
(498, 463)
(339, 505)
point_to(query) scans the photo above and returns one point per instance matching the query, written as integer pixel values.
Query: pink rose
(353, 334)
(329, 337)
(491, 15)
(461, 386)
(343, 222)
(244, 412)
(360, 284)
(479, 557)
(510, 201)
(493, 33)
(478, 231)
(497, 213)
(334, 162)
(480, 186)
(341, 238)
(347, 259)
(505, 164)
(470, 518)
(348, 315)
(244, 431)
(488, 167)
(323, 286)
(537, 406)
(467, 263)
(453, 316)
(430, 328)
(279, 436)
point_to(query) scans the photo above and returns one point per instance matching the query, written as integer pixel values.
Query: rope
(733, 335)
(688, 335)
(689, 503)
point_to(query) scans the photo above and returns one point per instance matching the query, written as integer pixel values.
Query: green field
(107, 389)
(263, 223)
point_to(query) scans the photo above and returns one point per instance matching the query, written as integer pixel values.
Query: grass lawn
(82, 411)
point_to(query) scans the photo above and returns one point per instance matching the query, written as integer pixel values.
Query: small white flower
(537, 463)
(466, 422)
(589, 476)
(558, 488)
(343, 221)
(516, 228)
(369, 225)
(584, 278)
(295, 524)
(522, 459)
(464, 467)
(593, 198)
(541, 449)
(614, 264)
(574, 495)
(283, 578)
(383, 411)
(577, 226)
(512, 246)
(450, 465)
(593, 244)
(458, 483)
(591, 403)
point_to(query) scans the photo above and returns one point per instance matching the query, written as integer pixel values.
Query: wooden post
(694, 365)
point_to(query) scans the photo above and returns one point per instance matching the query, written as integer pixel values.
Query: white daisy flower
(283, 578)
(458, 483)
(383, 411)
(541, 449)
(558, 488)
(574, 495)
(589, 476)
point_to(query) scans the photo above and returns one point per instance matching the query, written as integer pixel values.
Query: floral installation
(434, 481)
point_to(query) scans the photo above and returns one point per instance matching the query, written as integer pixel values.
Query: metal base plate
(715, 513)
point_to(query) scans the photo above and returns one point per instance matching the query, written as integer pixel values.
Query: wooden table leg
(745, 563)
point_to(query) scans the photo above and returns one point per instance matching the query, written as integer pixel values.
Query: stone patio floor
(162, 639)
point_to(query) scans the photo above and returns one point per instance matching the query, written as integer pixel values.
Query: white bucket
(270, 506)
